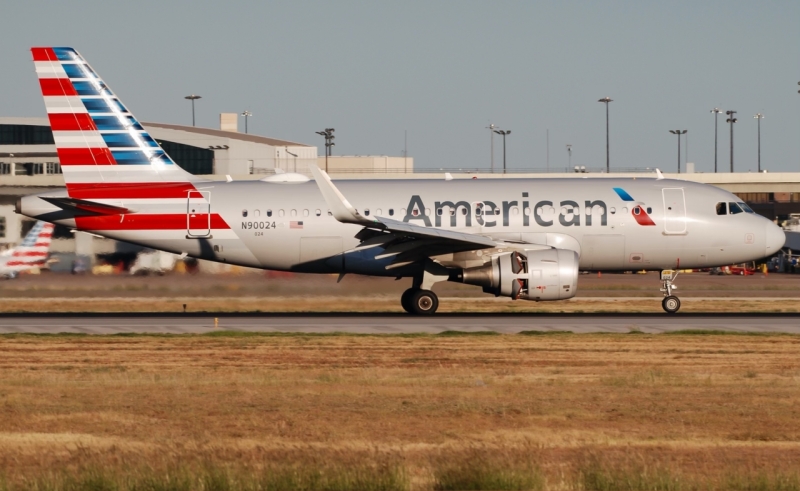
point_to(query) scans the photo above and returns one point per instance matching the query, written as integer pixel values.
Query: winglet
(659, 175)
(341, 208)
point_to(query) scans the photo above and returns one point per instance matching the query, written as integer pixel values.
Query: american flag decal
(295, 224)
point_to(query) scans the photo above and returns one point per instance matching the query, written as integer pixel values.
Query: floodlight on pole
(503, 133)
(731, 119)
(716, 112)
(193, 98)
(246, 115)
(327, 133)
(759, 117)
(569, 156)
(679, 133)
(606, 100)
(491, 128)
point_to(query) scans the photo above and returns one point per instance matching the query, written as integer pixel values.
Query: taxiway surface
(392, 323)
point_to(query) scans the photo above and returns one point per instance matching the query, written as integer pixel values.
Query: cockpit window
(735, 208)
(746, 208)
(722, 208)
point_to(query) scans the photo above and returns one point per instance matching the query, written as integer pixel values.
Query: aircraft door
(674, 211)
(198, 214)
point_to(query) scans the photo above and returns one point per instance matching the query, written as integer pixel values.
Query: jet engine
(548, 274)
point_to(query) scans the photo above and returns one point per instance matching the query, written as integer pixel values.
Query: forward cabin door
(198, 214)
(674, 211)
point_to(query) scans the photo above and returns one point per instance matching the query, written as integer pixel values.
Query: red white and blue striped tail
(33, 250)
(101, 145)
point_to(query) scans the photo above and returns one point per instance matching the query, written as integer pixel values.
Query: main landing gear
(419, 302)
(419, 299)
(671, 303)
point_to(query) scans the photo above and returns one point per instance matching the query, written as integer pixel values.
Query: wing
(408, 243)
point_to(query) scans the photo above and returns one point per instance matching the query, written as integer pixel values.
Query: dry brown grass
(576, 410)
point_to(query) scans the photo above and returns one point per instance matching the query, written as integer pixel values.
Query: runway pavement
(392, 323)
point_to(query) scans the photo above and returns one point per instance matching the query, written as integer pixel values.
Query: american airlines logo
(543, 213)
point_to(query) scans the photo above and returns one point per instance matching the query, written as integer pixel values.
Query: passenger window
(403, 211)
(366, 212)
(378, 212)
(293, 213)
(280, 213)
(256, 213)
(612, 210)
(427, 211)
(637, 210)
(330, 214)
(269, 213)
(527, 211)
(305, 213)
(746, 208)
(391, 212)
(515, 211)
(649, 210)
(439, 211)
(244, 213)
(735, 209)
(318, 212)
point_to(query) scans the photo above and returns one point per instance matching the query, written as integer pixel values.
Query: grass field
(418, 412)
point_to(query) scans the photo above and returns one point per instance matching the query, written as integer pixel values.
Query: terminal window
(198, 161)
(25, 134)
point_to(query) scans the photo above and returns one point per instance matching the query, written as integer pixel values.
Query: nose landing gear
(671, 303)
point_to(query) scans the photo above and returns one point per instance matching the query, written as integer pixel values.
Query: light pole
(731, 119)
(759, 117)
(679, 133)
(716, 112)
(327, 133)
(192, 98)
(491, 128)
(606, 100)
(246, 115)
(569, 157)
(503, 133)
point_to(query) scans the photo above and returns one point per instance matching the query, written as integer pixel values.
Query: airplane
(30, 253)
(526, 239)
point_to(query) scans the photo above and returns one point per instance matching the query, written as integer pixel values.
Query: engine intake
(549, 274)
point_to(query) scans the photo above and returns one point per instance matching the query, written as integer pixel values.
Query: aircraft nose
(775, 238)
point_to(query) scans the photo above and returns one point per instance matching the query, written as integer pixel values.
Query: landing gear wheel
(405, 299)
(671, 304)
(423, 302)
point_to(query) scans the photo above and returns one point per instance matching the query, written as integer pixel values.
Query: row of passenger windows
(732, 208)
(479, 211)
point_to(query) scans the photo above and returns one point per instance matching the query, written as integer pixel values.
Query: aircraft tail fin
(99, 142)
(33, 249)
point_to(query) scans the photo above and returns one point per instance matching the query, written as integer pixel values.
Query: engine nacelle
(548, 274)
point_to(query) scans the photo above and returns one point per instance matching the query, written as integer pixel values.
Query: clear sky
(442, 71)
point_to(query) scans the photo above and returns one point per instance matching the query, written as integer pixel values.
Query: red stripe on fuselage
(71, 122)
(28, 254)
(85, 156)
(131, 190)
(43, 54)
(135, 221)
(24, 263)
(57, 86)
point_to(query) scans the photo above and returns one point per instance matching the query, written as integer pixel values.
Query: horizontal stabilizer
(86, 207)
